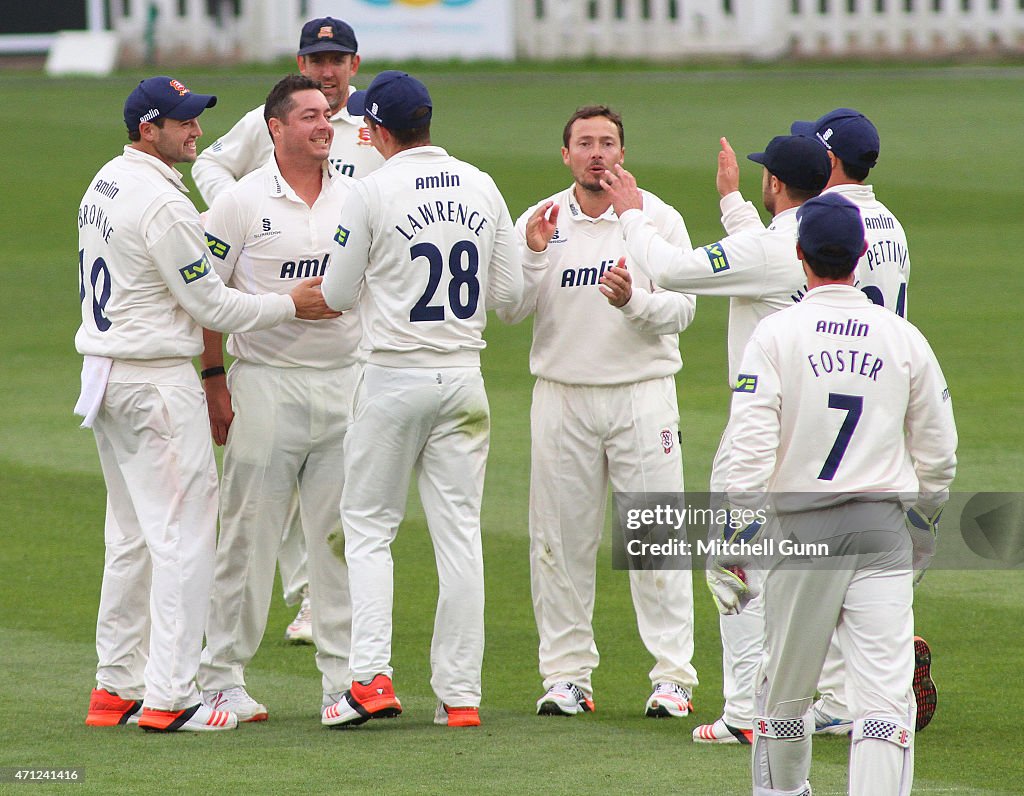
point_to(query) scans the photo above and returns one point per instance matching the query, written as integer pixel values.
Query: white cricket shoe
(720, 732)
(564, 699)
(668, 700)
(198, 718)
(238, 701)
(827, 724)
(300, 631)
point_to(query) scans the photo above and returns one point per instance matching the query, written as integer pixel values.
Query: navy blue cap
(326, 34)
(392, 100)
(848, 133)
(163, 97)
(830, 230)
(797, 161)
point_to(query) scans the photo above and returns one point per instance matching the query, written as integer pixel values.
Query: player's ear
(147, 131)
(565, 155)
(355, 63)
(274, 125)
(301, 61)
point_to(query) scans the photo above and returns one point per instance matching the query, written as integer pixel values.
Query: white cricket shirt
(578, 337)
(430, 242)
(756, 267)
(264, 239)
(840, 395)
(146, 282)
(247, 146)
(884, 270)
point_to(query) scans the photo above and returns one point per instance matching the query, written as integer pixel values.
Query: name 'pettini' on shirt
(845, 360)
(450, 211)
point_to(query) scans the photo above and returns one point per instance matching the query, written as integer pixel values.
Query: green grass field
(950, 168)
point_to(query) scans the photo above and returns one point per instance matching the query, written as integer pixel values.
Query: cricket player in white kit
(327, 53)
(605, 412)
(758, 270)
(839, 396)
(146, 286)
(291, 390)
(428, 241)
(853, 144)
(882, 274)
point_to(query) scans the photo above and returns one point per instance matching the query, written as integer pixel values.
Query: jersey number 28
(463, 264)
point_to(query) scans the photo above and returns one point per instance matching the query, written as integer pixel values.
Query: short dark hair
(831, 270)
(136, 134)
(590, 112)
(800, 195)
(279, 101)
(413, 136)
(855, 171)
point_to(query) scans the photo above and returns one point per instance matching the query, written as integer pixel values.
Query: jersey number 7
(854, 407)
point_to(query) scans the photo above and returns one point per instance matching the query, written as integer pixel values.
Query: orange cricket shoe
(362, 702)
(107, 709)
(197, 718)
(456, 717)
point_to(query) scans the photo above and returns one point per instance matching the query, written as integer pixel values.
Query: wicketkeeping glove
(923, 528)
(726, 574)
(728, 584)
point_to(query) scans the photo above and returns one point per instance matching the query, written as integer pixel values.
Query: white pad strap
(882, 729)
(785, 729)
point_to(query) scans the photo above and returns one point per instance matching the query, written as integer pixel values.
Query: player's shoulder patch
(745, 382)
(716, 254)
(217, 247)
(341, 236)
(197, 270)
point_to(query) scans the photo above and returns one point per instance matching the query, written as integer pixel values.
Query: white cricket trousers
(292, 559)
(289, 430)
(742, 633)
(160, 532)
(435, 421)
(743, 640)
(582, 439)
(864, 594)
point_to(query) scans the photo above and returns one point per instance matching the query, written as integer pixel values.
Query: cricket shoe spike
(198, 718)
(720, 732)
(925, 691)
(107, 709)
(827, 724)
(564, 699)
(456, 717)
(669, 700)
(237, 701)
(362, 702)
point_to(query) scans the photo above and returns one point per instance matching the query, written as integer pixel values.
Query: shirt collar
(145, 159)
(278, 186)
(576, 212)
